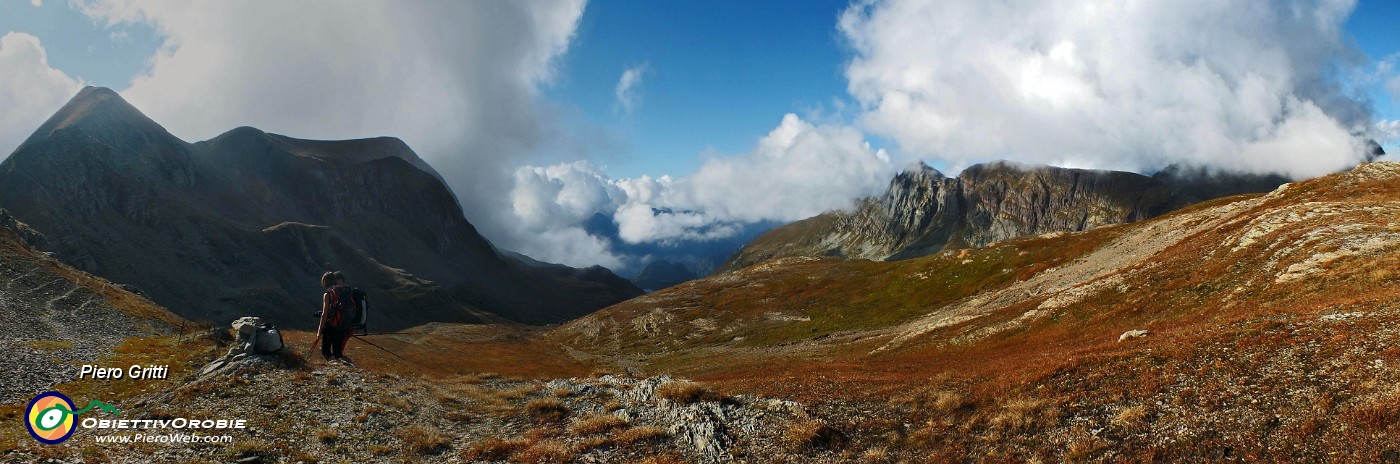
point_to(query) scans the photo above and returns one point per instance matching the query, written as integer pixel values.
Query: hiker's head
(331, 278)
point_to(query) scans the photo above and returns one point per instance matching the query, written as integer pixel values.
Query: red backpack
(342, 308)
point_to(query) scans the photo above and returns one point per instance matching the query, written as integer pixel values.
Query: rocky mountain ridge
(245, 223)
(923, 211)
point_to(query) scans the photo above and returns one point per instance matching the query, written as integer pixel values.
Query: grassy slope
(438, 350)
(1222, 303)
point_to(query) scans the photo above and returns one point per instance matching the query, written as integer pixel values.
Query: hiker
(337, 307)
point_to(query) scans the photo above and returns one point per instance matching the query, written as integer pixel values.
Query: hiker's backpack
(267, 339)
(360, 316)
(341, 306)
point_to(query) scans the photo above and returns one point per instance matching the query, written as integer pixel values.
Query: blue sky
(758, 112)
(82, 47)
(718, 74)
(1376, 28)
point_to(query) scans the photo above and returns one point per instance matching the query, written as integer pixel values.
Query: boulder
(1132, 334)
(255, 342)
(245, 327)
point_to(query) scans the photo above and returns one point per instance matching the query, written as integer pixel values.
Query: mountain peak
(354, 151)
(101, 113)
(918, 169)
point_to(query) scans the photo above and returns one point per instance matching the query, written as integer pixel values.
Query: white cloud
(550, 204)
(1239, 84)
(626, 90)
(1385, 76)
(797, 171)
(1387, 132)
(36, 3)
(30, 90)
(459, 81)
(1392, 85)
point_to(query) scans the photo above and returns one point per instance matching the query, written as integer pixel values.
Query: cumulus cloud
(1239, 84)
(1392, 81)
(626, 90)
(1388, 132)
(30, 89)
(458, 81)
(796, 171)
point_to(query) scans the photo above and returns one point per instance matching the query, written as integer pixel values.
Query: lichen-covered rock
(244, 327)
(706, 427)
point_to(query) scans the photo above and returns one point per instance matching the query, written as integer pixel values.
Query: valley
(1269, 333)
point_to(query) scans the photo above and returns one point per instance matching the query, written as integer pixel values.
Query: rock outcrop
(246, 222)
(28, 235)
(341, 413)
(924, 211)
(255, 342)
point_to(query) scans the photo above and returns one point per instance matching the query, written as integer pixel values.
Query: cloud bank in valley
(796, 171)
(1243, 85)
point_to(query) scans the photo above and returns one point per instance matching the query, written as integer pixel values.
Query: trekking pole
(386, 350)
(312, 349)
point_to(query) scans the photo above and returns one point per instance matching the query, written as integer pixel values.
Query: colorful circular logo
(50, 418)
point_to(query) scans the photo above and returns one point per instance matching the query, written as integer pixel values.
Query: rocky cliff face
(246, 222)
(924, 211)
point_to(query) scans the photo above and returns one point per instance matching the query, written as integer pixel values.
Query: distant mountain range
(660, 274)
(245, 223)
(923, 211)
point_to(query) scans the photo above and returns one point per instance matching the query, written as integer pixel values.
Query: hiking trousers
(333, 342)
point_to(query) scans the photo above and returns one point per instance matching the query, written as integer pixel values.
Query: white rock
(245, 326)
(1131, 334)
